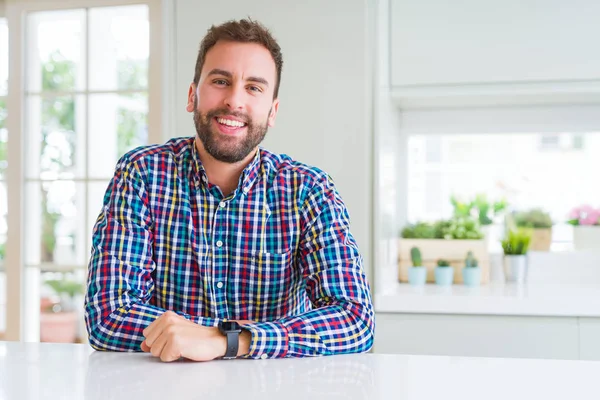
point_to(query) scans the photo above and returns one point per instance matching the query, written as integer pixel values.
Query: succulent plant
(415, 256)
(443, 263)
(471, 261)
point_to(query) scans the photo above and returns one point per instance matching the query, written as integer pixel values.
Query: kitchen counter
(62, 371)
(574, 300)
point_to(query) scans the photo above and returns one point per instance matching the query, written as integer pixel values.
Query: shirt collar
(247, 179)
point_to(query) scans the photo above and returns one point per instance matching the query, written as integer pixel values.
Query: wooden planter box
(541, 239)
(455, 251)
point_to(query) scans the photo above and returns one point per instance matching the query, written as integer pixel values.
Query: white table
(60, 371)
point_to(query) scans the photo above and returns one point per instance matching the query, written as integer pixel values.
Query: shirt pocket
(264, 285)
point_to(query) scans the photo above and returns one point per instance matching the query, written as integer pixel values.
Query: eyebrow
(228, 74)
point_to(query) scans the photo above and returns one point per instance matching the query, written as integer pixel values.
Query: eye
(254, 89)
(220, 82)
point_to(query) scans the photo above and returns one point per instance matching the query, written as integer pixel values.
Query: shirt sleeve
(342, 318)
(120, 285)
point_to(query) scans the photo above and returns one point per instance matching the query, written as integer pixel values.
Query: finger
(157, 348)
(145, 348)
(146, 332)
(170, 352)
(156, 329)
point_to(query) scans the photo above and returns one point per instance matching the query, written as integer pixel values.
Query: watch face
(230, 326)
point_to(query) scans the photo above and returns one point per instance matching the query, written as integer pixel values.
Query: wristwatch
(232, 330)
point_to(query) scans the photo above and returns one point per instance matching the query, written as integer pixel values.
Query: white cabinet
(589, 338)
(480, 336)
(440, 42)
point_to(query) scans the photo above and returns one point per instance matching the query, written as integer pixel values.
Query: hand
(171, 336)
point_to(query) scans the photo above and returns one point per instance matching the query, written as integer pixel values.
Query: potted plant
(515, 247)
(58, 318)
(471, 272)
(417, 274)
(586, 227)
(540, 224)
(444, 273)
(482, 209)
(444, 239)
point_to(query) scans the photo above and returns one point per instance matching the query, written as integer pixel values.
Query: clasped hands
(172, 336)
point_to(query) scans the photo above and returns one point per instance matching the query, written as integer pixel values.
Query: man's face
(233, 103)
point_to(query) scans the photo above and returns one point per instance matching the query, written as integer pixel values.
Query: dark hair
(243, 31)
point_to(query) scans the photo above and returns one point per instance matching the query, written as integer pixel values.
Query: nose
(235, 97)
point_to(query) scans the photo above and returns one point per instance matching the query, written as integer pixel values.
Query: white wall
(325, 111)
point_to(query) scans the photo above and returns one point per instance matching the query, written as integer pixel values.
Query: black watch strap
(233, 342)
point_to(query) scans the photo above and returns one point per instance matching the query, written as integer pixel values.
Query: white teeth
(230, 122)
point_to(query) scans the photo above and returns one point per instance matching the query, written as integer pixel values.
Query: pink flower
(586, 215)
(574, 214)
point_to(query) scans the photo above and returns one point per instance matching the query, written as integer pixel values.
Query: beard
(224, 148)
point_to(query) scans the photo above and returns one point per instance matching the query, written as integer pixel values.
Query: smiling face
(233, 103)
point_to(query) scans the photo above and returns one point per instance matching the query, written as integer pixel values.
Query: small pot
(417, 276)
(58, 327)
(471, 276)
(444, 276)
(515, 268)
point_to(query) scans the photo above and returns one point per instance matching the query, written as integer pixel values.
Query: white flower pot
(586, 237)
(515, 268)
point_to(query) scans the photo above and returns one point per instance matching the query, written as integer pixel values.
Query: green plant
(415, 256)
(535, 218)
(471, 261)
(480, 207)
(443, 263)
(517, 241)
(65, 288)
(2, 251)
(459, 228)
(420, 230)
(455, 228)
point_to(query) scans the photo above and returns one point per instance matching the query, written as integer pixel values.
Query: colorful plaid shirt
(277, 251)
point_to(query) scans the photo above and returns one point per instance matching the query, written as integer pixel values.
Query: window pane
(3, 137)
(61, 314)
(55, 223)
(56, 137)
(529, 170)
(55, 52)
(3, 57)
(96, 192)
(118, 123)
(119, 46)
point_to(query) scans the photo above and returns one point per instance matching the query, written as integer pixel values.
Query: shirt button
(222, 204)
(219, 243)
(264, 356)
(245, 190)
(220, 285)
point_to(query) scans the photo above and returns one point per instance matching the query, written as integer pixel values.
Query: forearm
(334, 329)
(121, 329)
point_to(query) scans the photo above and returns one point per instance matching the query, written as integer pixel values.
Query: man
(211, 247)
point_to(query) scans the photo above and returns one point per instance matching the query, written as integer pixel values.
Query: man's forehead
(246, 59)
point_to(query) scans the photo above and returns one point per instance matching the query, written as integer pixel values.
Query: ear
(191, 96)
(273, 114)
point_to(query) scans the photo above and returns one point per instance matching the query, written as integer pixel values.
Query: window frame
(22, 317)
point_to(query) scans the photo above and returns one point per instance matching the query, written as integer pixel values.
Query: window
(512, 166)
(91, 78)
